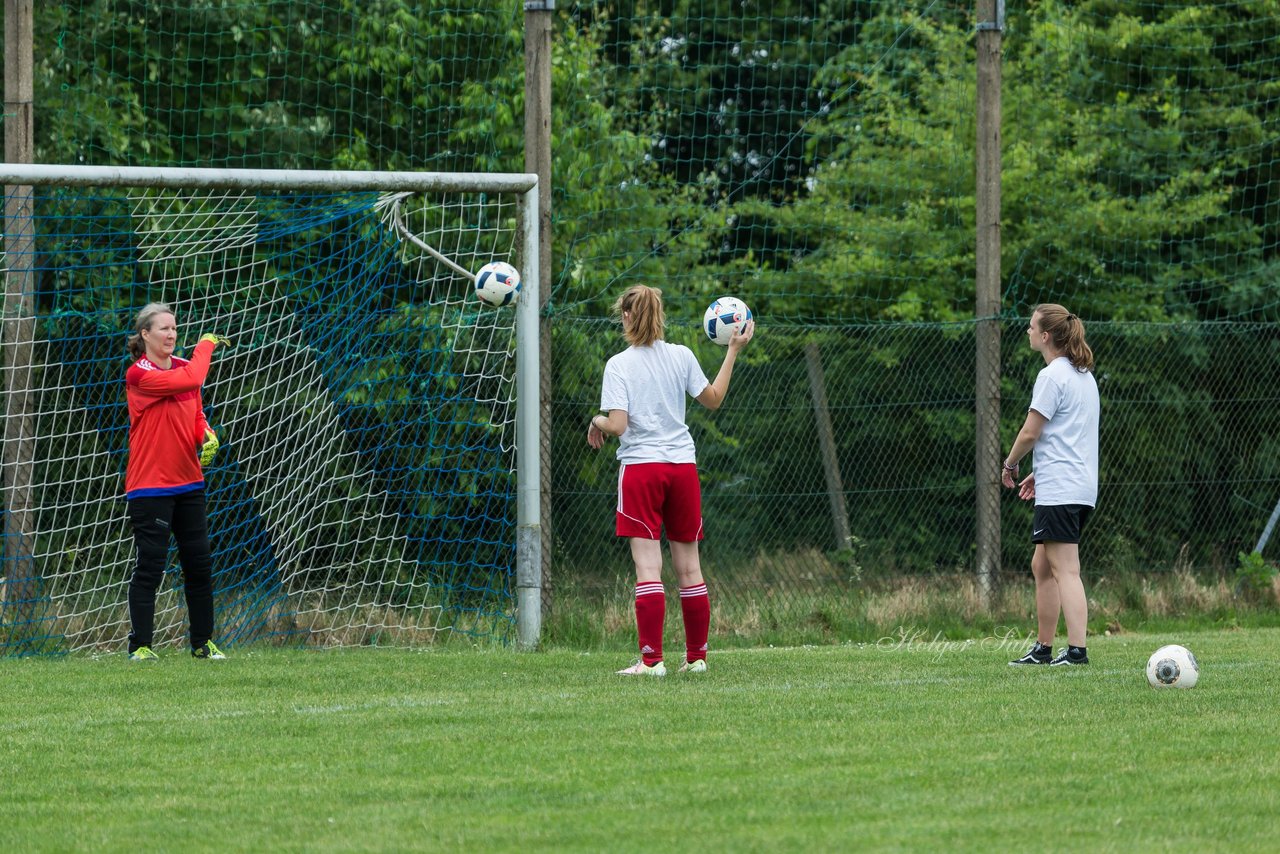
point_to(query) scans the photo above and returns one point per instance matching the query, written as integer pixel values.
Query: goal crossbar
(304, 180)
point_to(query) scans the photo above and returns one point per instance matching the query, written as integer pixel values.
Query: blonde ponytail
(647, 321)
(1066, 331)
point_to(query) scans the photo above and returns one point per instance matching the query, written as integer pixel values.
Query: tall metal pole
(987, 291)
(827, 445)
(528, 456)
(1266, 532)
(17, 333)
(538, 16)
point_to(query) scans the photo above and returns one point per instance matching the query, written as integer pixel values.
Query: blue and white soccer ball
(724, 317)
(1172, 666)
(498, 283)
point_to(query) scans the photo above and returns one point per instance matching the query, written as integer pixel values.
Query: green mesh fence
(826, 155)
(817, 160)
(284, 84)
(1189, 469)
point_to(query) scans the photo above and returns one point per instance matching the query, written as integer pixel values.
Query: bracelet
(594, 424)
(1008, 467)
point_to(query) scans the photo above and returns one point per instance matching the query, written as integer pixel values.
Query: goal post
(379, 477)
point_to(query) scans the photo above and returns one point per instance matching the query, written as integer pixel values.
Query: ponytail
(1067, 333)
(647, 320)
(136, 346)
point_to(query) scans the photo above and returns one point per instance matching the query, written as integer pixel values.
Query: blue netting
(364, 489)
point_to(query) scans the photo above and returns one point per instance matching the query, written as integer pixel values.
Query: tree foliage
(815, 156)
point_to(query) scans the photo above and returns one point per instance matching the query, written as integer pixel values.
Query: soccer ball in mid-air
(1172, 666)
(724, 317)
(498, 283)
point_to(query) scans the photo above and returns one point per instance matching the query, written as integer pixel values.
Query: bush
(1255, 577)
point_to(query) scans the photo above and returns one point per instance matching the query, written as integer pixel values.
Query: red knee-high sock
(696, 608)
(651, 611)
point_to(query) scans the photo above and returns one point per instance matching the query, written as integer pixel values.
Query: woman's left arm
(613, 424)
(1027, 438)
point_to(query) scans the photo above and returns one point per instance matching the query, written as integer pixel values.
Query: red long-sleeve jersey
(166, 425)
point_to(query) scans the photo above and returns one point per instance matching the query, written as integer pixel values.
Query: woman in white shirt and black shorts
(643, 396)
(1062, 427)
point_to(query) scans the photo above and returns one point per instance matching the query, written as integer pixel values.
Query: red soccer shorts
(651, 495)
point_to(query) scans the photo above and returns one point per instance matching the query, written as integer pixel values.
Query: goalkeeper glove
(218, 340)
(208, 447)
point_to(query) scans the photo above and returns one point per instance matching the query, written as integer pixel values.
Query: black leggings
(153, 518)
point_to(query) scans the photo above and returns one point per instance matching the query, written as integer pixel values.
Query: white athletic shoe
(642, 669)
(699, 666)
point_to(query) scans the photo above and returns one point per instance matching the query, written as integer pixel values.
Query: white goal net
(368, 488)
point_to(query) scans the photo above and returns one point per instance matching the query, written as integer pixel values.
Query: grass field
(911, 744)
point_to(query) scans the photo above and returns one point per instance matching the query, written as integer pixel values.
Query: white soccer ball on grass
(1172, 666)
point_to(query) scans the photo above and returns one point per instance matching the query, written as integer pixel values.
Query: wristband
(1010, 468)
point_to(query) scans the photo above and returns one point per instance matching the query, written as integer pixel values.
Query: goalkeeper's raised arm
(169, 439)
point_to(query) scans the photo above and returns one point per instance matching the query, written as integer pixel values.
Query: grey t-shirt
(1066, 455)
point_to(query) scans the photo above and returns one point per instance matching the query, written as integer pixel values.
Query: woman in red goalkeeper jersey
(644, 395)
(169, 443)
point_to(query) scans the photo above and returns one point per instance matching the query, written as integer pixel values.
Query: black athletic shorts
(1059, 523)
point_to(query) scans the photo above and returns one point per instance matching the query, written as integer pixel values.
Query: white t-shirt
(650, 384)
(1066, 455)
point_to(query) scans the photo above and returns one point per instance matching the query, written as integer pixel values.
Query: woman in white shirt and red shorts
(643, 396)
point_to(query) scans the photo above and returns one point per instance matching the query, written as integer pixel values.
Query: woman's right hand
(1027, 489)
(218, 340)
(740, 338)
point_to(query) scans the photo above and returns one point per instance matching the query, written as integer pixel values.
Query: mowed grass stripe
(898, 747)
